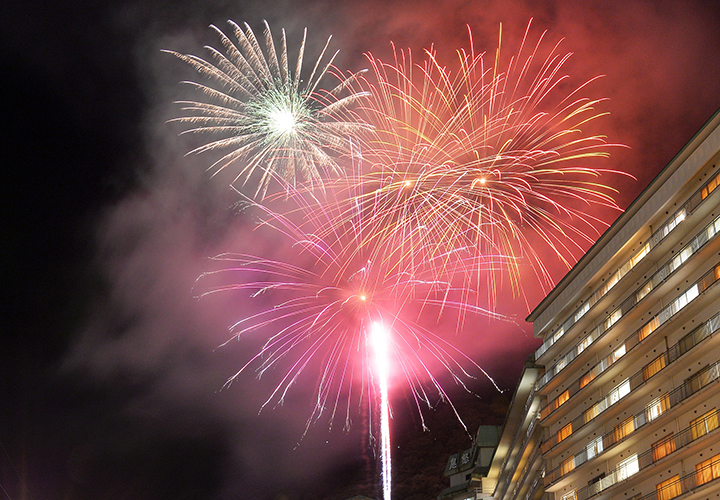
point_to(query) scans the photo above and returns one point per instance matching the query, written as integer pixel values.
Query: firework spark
(275, 125)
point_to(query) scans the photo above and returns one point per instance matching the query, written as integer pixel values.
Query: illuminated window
(567, 466)
(648, 328)
(587, 378)
(620, 392)
(594, 448)
(581, 312)
(707, 470)
(653, 367)
(624, 428)
(627, 468)
(669, 488)
(558, 334)
(704, 424)
(663, 447)
(642, 253)
(709, 188)
(613, 318)
(564, 432)
(569, 496)
(584, 343)
(619, 353)
(657, 407)
(562, 398)
(591, 413)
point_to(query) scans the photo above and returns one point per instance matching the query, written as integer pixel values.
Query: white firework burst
(271, 124)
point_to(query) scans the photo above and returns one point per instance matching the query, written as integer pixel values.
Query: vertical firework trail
(380, 338)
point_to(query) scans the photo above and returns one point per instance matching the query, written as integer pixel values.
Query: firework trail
(480, 159)
(275, 125)
(380, 340)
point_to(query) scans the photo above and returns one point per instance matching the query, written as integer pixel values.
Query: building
(626, 394)
(631, 350)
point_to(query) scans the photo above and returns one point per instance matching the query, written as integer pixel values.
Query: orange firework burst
(477, 162)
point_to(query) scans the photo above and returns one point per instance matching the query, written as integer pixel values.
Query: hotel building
(625, 397)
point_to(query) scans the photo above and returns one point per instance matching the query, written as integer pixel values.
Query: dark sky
(109, 373)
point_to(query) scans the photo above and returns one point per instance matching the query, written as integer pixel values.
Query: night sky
(110, 375)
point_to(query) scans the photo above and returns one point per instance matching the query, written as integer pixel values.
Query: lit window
(567, 466)
(627, 468)
(707, 470)
(613, 318)
(558, 334)
(620, 392)
(591, 413)
(584, 343)
(569, 496)
(663, 447)
(669, 488)
(641, 253)
(560, 364)
(587, 378)
(648, 328)
(657, 407)
(562, 398)
(594, 448)
(564, 432)
(619, 353)
(704, 424)
(581, 312)
(653, 367)
(624, 428)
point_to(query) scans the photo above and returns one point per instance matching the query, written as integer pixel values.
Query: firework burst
(325, 295)
(481, 159)
(272, 124)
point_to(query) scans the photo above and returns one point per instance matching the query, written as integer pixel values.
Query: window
(663, 447)
(704, 424)
(709, 188)
(623, 429)
(581, 312)
(619, 353)
(594, 448)
(627, 468)
(564, 432)
(587, 378)
(560, 400)
(620, 392)
(648, 328)
(569, 496)
(657, 407)
(584, 343)
(669, 488)
(567, 466)
(707, 470)
(641, 253)
(591, 413)
(654, 366)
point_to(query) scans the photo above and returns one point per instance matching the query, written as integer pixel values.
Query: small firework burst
(271, 124)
